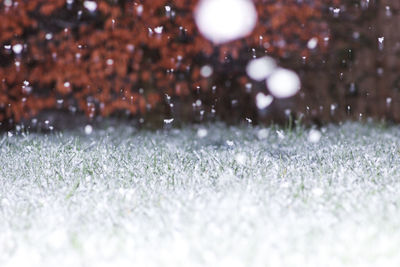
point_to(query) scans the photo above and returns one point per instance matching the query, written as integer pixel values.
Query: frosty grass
(201, 196)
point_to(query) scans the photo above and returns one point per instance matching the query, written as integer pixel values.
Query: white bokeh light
(312, 43)
(259, 69)
(206, 71)
(263, 101)
(283, 83)
(223, 21)
(90, 5)
(17, 48)
(314, 136)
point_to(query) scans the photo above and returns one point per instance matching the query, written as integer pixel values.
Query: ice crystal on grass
(238, 195)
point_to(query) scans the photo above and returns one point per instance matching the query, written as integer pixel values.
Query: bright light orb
(283, 83)
(222, 21)
(263, 101)
(259, 69)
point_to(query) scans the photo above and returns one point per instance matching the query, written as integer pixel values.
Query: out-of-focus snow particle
(139, 10)
(130, 47)
(206, 71)
(110, 62)
(262, 134)
(90, 5)
(168, 121)
(248, 87)
(283, 83)
(159, 29)
(8, 3)
(312, 43)
(88, 129)
(259, 69)
(202, 132)
(26, 88)
(17, 48)
(388, 101)
(67, 84)
(336, 12)
(263, 101)
(229, 143)
(223, 21)
(49, 36)
(380, 42)
(314, 136)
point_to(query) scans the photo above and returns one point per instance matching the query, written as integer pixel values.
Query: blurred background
(152, 63)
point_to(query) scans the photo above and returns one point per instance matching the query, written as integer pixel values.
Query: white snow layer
(209, 196)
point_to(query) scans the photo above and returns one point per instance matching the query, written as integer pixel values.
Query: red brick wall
(103, 62)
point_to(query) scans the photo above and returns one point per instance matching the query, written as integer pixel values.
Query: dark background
(352, 76)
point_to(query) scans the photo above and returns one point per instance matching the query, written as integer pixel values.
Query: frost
(5, 202)
(223, 21)
(283, 83)
(175, 199)
(241, 158)
(229, 143)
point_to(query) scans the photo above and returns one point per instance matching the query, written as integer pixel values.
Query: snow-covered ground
(202, 196)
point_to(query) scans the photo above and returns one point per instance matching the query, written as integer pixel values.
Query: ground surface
(235, 197)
